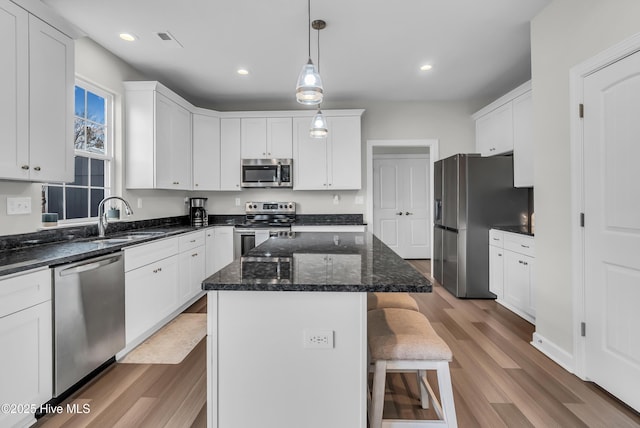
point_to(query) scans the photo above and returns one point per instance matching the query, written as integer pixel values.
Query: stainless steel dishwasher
(88, 315)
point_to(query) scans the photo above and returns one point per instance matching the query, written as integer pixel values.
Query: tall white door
(612, 228)
(401, 207)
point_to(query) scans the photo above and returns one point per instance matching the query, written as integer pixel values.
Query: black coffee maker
(197, 212)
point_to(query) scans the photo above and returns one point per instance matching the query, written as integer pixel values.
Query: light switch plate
(16, 206)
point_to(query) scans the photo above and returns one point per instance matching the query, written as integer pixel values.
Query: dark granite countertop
(27, 257)
(306, 261)
(301, 220)
(522, 230)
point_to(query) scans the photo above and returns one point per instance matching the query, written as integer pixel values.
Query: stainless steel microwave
(267, 173)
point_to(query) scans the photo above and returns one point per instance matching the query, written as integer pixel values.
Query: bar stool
(402, 340)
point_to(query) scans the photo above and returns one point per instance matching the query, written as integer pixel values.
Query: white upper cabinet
(494, 131)
(523, 141)
(230, 154)
(506, 125)
(36, 106)
(267, 138)
(328, 163)
(158, 138)
(206, 152)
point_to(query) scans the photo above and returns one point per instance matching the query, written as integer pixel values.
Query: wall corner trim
(554, 352)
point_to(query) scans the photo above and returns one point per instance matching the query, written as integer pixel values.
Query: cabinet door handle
(400, 213)
(37, 168)
(194, 255)
(197, 184)
(499, 254)
(524, 246)
(157, 270)
(496, 239)
(408, 213)
(25, 166)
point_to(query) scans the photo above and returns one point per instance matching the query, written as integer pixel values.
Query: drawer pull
(25, 166)
(192, 241)
(37, 168)
(524, 246)
(194, 255)
(157, 270)
(496, 239)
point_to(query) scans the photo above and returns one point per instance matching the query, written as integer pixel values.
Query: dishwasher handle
(89, 265)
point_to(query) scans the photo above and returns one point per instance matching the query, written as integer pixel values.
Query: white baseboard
(553, 351)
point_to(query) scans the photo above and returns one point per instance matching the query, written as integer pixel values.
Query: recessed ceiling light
(426, 67)
(127, 37)
(243, 71)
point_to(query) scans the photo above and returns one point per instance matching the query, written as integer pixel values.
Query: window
(93, 135)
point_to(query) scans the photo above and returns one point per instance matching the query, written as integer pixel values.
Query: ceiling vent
(168, 39)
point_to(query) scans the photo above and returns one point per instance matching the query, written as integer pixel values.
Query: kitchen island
(286, 340)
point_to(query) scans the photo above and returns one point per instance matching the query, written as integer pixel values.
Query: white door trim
(434, 154)
(576, 81)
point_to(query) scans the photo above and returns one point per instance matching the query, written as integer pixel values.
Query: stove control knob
(255, 206)
(280, 206)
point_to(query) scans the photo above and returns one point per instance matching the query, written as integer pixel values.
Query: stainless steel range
(262, 220)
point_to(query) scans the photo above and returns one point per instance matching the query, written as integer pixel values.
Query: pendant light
(318, 126)
(318, 123)
(309, 88)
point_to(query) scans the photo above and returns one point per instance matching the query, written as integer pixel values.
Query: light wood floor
(499, 380)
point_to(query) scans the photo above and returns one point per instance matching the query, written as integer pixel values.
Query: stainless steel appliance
(471, 194)
(267, 173)
(88, 317)
(262, 220)
(197, 212)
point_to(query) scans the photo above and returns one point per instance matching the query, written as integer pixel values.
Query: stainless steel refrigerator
(472, 194)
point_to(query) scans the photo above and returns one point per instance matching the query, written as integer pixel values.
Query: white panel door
(612, 228)
(386, 202)
(401, 205)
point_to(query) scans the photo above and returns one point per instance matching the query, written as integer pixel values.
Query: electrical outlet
(139, 202)
(318, 339)
(17, 206)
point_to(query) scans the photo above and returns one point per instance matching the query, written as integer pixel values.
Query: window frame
(108, 156)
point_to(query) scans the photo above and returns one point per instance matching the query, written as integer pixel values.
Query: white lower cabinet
(219, 248)
(191, 265)
(27, 350)
(511, 272)
(151, 286)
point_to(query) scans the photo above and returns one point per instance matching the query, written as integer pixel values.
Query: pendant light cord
(309, 25)
(318, 31)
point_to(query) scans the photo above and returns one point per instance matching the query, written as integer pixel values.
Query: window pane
(82, 171)
(95, 138)
(79, 102)
(54, 201)
(79, 134)
(77, 202)
(97, 173)
(95, 108)
(96, 196)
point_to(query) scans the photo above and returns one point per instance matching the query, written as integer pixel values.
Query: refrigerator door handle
(437, 210)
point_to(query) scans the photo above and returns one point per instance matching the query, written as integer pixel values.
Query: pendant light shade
(318, 126)
(309, 87)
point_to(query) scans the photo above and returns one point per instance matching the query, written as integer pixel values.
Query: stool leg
(377, 399)
(446, 394)
(424, 394)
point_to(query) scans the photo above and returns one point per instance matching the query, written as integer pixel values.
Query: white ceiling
(370, 49)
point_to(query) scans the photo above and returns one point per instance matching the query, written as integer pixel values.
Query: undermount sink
(133, 236)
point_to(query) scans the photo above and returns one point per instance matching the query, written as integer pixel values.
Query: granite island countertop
(309, 261)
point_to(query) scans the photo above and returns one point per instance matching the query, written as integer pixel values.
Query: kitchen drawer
(496, 238)
(522, 244)
(143, 254)
(24, 290)
(191, 240)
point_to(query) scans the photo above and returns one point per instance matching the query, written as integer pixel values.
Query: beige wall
(563, 35)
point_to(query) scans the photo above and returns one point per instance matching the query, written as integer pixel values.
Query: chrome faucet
(102, 216)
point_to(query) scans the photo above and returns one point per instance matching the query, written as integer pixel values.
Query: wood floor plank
(136, 414)
(511, 415)
(485, 343)
(483, 413)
